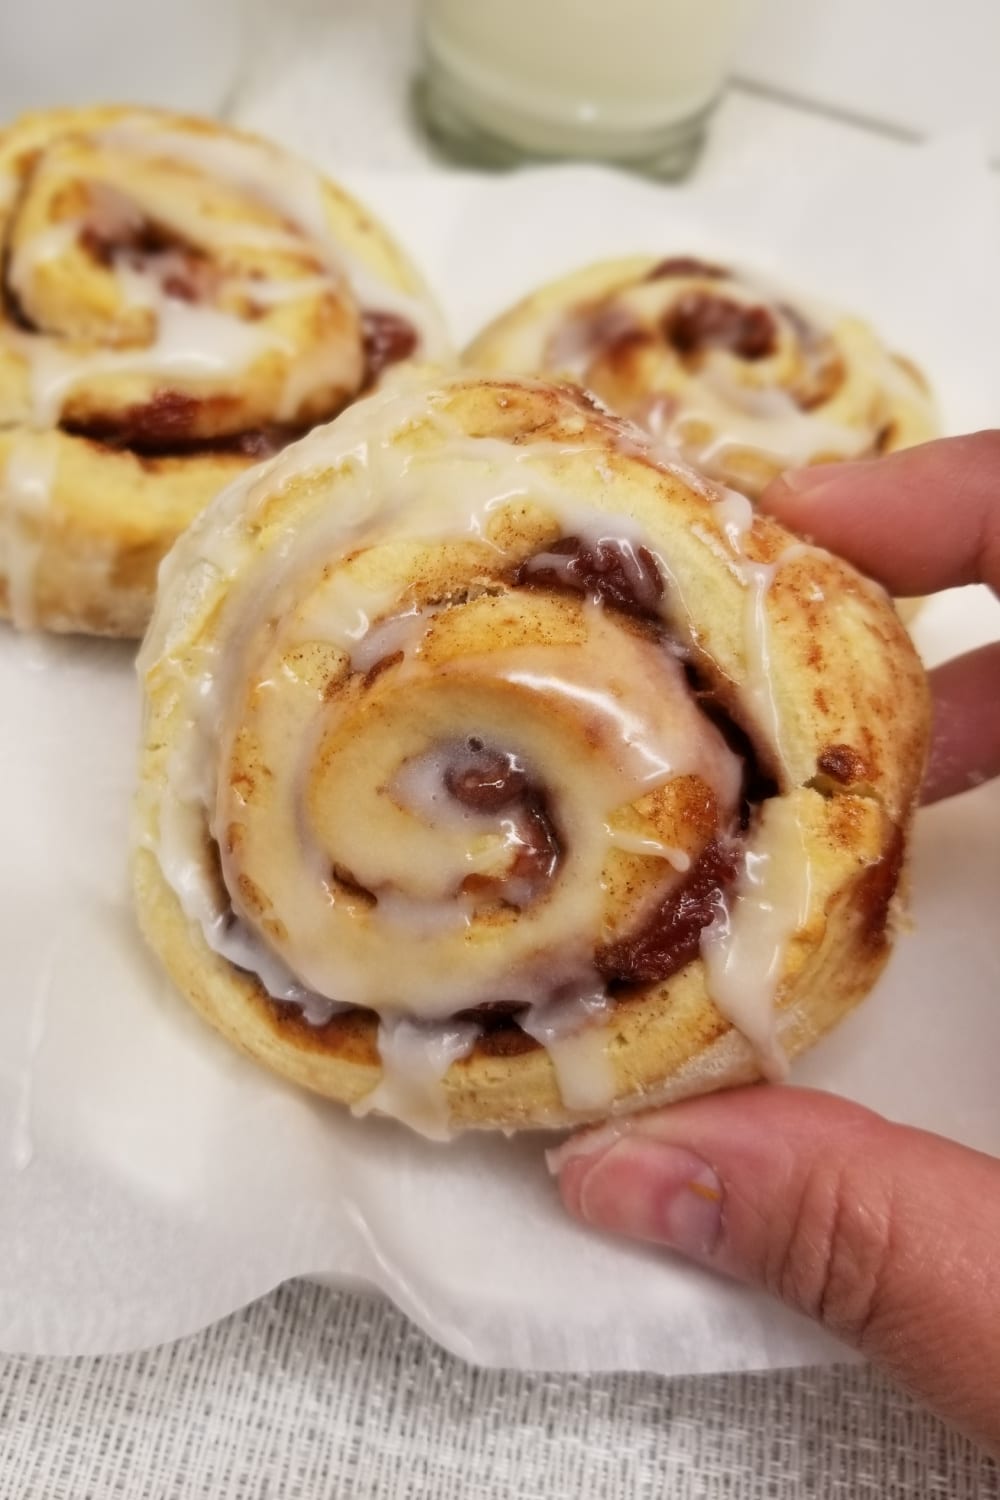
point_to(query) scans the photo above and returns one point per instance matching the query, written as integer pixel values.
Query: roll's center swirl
(519, 798)
(169, 289)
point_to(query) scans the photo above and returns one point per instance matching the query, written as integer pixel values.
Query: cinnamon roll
(499, 771)
(178, 300)
(744, 380)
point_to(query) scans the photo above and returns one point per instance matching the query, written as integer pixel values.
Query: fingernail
(585, 1143)
(809, 481)
(646, 1190)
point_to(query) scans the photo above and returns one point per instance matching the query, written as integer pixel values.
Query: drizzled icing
(735, 512)
(505, 843)
(453, 488)
(723, 366)
(152, 310)
(197, 342)
(26, 486)
(415, 1058)
(200, 342)
(293, 189)
(744, 947)
(635, 843)
(769, 421)
(397, 633)
(515, 693)
(573, 1034)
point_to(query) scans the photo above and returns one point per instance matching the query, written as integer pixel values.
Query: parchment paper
(151, 1180)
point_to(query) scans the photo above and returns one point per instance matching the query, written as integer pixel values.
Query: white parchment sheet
(151, 1180)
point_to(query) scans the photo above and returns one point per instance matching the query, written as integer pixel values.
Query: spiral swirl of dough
(498, 772)
(742, 379)
(179, 300)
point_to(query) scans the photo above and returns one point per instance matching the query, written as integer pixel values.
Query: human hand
(888, 1236)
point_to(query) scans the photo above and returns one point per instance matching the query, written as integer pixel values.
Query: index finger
(921, 520)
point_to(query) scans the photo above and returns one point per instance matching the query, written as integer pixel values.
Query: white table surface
(313, 1393)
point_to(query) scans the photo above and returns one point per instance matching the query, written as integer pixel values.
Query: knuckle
(988, 445)
(833, 1261)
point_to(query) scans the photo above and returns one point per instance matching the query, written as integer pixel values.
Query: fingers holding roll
(918, 521)
(923, 520)
(885, 1235)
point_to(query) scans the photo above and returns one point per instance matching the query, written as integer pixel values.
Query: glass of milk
(626, 81)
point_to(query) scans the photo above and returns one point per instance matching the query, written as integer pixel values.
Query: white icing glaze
(264, 293)
(48, 244)
(193, 340)
(418, 917)
(570, 343)
(634, 843)
(573, 1034)
(401, 632)
(483, 842)
(643, 759)
(382, 491)
(747, 407)
(415, 1058)
(761, 419)
(26, 487)
(328, 362)
(201, 342)
(343, 615)
(295, 191)
(138, 288)
(757, 578)
(645, 589)
(744, 947)
(736, 514)
(421, 788)
(349, 960)
(760, 683)
(181, 846)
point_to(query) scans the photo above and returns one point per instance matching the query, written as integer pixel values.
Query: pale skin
(834, 1210)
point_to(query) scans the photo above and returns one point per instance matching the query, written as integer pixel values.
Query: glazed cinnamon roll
(499, 772)
(742, 379)
(178, 300)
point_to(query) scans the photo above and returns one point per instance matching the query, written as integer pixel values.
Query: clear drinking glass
(626, 81)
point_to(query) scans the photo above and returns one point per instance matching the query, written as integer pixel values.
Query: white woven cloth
(312, 1394)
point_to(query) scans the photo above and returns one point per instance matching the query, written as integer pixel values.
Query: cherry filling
(183, 270)
(670, 936)
(686, 265)
(387, 339)
(117, 232)
(486, 780)
(611, 571)
(699, 321)
(166, 427)
(495, 781)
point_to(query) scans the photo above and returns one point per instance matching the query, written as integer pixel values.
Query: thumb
(889, 1237)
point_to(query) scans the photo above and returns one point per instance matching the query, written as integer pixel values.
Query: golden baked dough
(483, 739)
(179, 300)
(743, 379)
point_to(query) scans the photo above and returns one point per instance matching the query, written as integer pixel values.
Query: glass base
(446, 115)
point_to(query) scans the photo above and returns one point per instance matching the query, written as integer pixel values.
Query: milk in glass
(604, 79)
